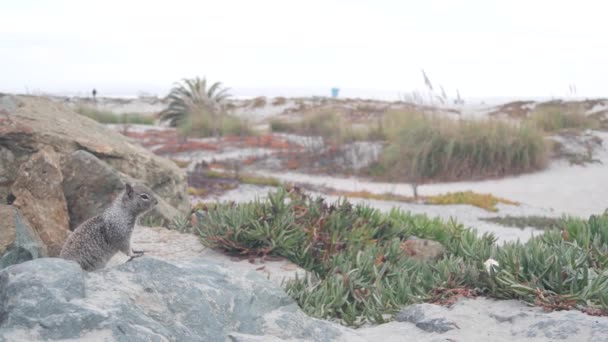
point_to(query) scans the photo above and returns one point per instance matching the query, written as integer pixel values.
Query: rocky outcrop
(18, 241)
(60, 168)
(28, 123)
(185, 292)
(484, 319)
(151, 300)
(39, 196)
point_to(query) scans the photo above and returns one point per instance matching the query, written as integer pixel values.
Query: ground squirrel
(97, 239)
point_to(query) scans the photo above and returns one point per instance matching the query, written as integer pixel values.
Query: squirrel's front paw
(135, 254)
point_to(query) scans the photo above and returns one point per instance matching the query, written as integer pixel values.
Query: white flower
(491, 264)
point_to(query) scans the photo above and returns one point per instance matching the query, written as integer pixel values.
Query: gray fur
(96, 240)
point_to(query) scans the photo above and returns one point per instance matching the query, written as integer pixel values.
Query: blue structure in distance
(335, 92)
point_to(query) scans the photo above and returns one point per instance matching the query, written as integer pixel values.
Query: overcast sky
(482, 48)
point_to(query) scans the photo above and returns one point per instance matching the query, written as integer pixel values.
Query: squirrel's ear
(129, 189)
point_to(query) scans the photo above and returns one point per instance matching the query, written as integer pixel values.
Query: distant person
(94, 93)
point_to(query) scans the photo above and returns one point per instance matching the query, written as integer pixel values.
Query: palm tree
(191, 96)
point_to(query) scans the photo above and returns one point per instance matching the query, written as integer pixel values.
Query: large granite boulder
(60, 168)
(38, 193)
(151, 300)
(18, 241)
(28, 123)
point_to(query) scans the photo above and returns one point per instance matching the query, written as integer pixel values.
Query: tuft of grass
(259, 102)
(197, 191)
(202, 123)
(358, 270)
(204, 206)
(191, 97)
(181, 223)
(109, 117)
(279, 101)
(153, 220)
(259, 180)
(538, 222)
(554, 118)
(182, 164)
(216, 174)
(278, 125)
(373, 196)
(245, 178)
(483, 201)
(317, 123)
(422, 148)
(557, 270)
(199, 111)
(327, 124)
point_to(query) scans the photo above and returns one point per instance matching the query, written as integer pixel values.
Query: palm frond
(190, 96)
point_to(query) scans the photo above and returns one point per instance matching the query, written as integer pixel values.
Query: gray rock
(484, 319)
(422, 249)
(413, 313)
(18, 241)
(438, 325)
(29, 123)
(214, 299)
(90, 185)
(32, 293)
(39, 197)
(554, 329)
(236, 337)
(151, 300)
(565, 325)
(417, 314)
(510, 317)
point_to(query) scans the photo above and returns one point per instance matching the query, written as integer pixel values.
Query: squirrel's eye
(144, 197)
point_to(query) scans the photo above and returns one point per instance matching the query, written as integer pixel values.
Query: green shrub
(282, 126)
(244, 178)
(109, 117)
(358, 270)
(259, 102)
(327, 124)
(191, 97)
(202, 123)
(198, 110)
(558, 270)
(553, 118)
(279, 101)
(422, 148)
(318, 123)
